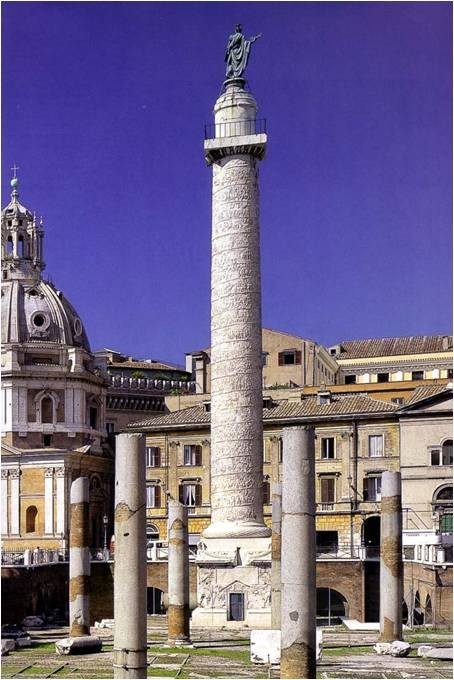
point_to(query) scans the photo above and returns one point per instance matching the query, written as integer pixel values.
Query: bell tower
(22, 240)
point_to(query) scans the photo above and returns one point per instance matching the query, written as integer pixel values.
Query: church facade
(53, 399)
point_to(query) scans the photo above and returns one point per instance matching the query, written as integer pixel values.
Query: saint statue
(237, 53)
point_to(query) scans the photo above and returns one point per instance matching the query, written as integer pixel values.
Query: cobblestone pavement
(345, 655)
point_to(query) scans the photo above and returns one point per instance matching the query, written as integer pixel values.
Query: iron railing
(235, 128)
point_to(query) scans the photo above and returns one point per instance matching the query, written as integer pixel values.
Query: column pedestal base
(233, 583)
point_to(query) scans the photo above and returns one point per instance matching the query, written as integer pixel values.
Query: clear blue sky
(103, 110)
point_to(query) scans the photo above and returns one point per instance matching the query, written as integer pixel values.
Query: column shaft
(236, 345)
(130, 586)
(276, 501)
(79, 559)
(298, 615)
(178, 574)
(391, 565)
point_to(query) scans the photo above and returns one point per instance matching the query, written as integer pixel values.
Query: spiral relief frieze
(236, 362)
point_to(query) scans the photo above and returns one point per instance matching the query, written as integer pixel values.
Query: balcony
(236, 128)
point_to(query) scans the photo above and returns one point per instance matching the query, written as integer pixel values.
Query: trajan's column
(234, 555)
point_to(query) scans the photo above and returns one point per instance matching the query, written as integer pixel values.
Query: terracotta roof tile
(426, 391)
(380, 347)
(309, 407)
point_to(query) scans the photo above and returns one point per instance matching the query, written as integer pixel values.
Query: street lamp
(105, 520)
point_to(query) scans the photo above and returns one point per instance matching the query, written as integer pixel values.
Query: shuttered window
(289, 357)
(190, 495)
(192, 454)
(266, 493)
(327, 485)
(375, 445)
(153, 456)
(153, 496)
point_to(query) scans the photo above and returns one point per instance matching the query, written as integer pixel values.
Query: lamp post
(105, 520)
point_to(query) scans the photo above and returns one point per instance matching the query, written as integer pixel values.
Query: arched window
(446, 452)
(30, 519)
(266, 493)
(9, 245)
(47, 410)
(20, 246)
(428, 613)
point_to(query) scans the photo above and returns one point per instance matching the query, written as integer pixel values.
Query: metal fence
(235, 128)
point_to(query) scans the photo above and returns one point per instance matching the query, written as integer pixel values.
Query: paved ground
(345, 655)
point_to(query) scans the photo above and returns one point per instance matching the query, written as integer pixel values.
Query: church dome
(38, 312)
(32, 310)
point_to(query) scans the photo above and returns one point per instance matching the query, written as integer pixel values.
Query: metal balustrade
(235, 128)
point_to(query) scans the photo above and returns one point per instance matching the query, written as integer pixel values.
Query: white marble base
(266, 646)
(233, 565)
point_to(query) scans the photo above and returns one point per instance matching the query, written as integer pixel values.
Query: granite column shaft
(130, 585)
(79, 559)
(391, 565)
(276, 501)
(298, 606)
(178, 574)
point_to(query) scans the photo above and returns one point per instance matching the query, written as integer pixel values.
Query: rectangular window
(327, 447)
(382, 377)
(435, 457)
(153, 456)
(327, 542)
(236, 606)
(327, 489)
(110, 428)
(397, 400)
(372, 489)
(450, 373)
(289, 357)
(47, 440)
(350, 379)
(446, 523)
(153, 496)
(266, 493)
(264, 358)
(93, 417)
(190, 495)
(192, 454)
(375, 445)
(417, 375)
(279, 450)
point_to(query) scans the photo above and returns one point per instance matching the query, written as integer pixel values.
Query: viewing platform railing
(235, 128)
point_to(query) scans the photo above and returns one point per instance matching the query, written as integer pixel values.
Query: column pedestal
(238, 567)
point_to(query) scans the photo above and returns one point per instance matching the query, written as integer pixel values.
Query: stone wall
(435, 583)
(347, 578)
(40, 589)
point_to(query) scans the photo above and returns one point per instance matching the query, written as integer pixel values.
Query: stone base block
(87, 644)
(8, 646)
(441, 653)
(266, 646)
(396, 648)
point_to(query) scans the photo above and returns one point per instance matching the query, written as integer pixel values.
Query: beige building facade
(53, 401)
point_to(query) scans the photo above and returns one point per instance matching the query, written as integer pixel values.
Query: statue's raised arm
(237, 53)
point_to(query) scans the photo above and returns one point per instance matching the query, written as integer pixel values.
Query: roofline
(295, 420)
(429, 398)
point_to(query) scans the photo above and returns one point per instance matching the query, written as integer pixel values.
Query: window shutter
(158, 457)
(297, 357)
(180, 493)
(281, 359)
(198, 455)
(365, 490)
(266, 493)
(198, 494)
(157, 497)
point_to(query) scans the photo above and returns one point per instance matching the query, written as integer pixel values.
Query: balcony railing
(150, 384)
(235, 128)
